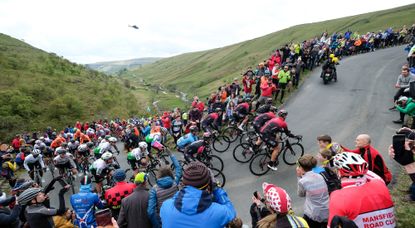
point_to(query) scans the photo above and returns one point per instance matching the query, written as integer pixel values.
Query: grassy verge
(404, 211)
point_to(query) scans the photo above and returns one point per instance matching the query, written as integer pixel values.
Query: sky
(88, 31)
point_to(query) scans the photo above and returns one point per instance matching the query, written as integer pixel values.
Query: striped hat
(28, 195)
(196, 174)
(277, 198)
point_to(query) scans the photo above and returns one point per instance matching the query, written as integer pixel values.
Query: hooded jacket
(165, 189)
(192, 207)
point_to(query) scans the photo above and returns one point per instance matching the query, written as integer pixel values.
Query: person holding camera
(199, 203)
(402, 84)
(9, 218)
(403, 151)
(405, 106)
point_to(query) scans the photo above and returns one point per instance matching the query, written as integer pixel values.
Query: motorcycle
(327, 75)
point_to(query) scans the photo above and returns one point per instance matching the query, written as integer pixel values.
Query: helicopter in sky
(133, 26)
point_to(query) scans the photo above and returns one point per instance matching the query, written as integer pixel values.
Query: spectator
(167, 186)
(122, 189)
(403, 83)
(313, 187)
(9, 218)
(133, 211)
(279, 204)
(177, 128)
(194, 205)
(37, 214)
(84, 204)
(65, 220)
(247, 82)
(360, 199)
(374, 159)
(406, 106)
(16, 144)
(283, 78)
(266, 92)
(8, 167)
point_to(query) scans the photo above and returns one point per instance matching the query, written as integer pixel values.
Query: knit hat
(196, 174)
(119, 175)
(28, 195)
(277, 198)
(141, 177)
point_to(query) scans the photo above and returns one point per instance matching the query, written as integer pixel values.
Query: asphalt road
(357, 103)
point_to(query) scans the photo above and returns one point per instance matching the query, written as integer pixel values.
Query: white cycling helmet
(142, 145)
(112, 139)
(106, 156)
(350, 164)
(83, 147)
(35, 152)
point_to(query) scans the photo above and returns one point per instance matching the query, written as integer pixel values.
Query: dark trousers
(399, 93)
(412, 188)
(314, 224)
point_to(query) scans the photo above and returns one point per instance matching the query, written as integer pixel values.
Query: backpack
(331, 179)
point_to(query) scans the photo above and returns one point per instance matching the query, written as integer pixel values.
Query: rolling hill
(200, 73)
(114, 67)
(40, 89)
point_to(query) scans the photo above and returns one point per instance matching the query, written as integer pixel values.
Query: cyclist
(187, 139)
(212, 121)
(83, 138)
(241, 112)
(138, 157)
(35, 159)
(101, 169)
(84, 203)
(266, 107)
(64, 160)
(270, 134)
(106, 144)
(259, 122)
(196, 147)
(371, 198)
(73, 146)
(57, 142)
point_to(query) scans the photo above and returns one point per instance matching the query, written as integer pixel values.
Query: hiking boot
(398, 121)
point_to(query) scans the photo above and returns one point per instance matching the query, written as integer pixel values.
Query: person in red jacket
(366, 202)
(371, 156)
(266, 92)
(122, 189)
(16, 144)
(78, 125)
(247, 82)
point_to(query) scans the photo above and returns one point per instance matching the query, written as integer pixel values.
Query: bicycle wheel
(221, 143)
(248, 137)
(214, 161)
(219, 177)
(292, 153)
(232, 133)
(69, 180)
(259, 162)
(151, 177)
(243, 153)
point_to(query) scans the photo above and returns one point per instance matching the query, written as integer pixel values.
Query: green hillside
(115, 67)
(199, 73)
(39, 89)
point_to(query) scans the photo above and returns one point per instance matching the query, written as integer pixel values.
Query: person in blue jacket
(187, 139)
(167, 186)
(84, 203)
(199, 203)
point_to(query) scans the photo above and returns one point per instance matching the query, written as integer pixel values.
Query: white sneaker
(240, 128)
(275, 168)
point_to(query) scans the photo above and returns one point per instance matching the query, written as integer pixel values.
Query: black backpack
(331, 179)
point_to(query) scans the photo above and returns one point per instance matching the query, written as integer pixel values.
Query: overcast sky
(87, 31)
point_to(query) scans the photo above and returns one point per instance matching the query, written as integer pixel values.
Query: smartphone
(256, 195)
(402, 156)
(398, 142)
(103, 217)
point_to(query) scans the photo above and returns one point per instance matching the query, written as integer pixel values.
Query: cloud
(93, 30)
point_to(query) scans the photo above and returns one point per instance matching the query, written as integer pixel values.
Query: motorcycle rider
(330, 64)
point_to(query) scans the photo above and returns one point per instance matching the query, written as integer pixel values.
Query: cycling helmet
(112, 139)
(38, 142)
(90, 145)
(164, 130)
(107, 137)
(218, 110)
(142, 145)
(282, 113)
(85, 180)
(350, 164)
(331, 56)
(247, 99)
(61, 150)
(35, 152)
(83, 148)
(277, 198)
(42, 138)
(106, 156)
(64, 145)
(193, 128)
(207, 135)
(40, 147)
(28, 195)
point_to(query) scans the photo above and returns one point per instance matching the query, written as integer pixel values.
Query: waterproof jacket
(165, 189)
(84, 204)
(192, 207)
(409, 108)
(133, 212)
